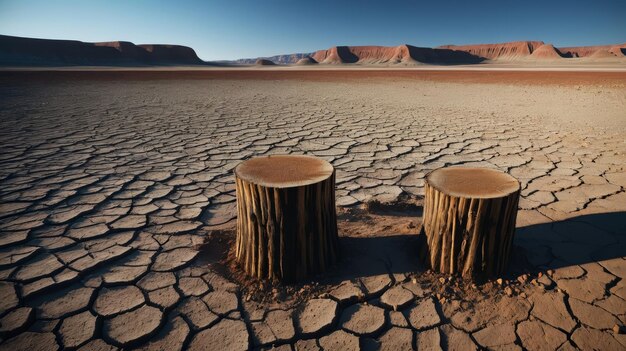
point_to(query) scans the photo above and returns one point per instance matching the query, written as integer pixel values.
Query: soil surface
(494, 76)
(117, 209)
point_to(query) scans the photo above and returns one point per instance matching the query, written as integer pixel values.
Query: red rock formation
(546, 52)
(618, 50)
(363, 54)
(602, 54)
(587, 51)
(335, 55)
(447, 54)
(27, 51)
(502, 51)
(306, 61)
(402, 54)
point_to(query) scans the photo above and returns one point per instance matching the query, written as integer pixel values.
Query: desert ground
(117, 208)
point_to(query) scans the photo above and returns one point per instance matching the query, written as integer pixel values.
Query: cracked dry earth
(108, 188)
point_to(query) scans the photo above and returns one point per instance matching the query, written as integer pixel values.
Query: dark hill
(17, 51)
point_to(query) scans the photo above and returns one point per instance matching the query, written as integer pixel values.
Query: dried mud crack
(117, 210)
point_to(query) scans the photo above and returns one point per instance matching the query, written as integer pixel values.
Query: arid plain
(118, 207)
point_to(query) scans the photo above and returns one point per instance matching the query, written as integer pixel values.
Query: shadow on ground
(370, 256)
(552, 245)
(575, 241)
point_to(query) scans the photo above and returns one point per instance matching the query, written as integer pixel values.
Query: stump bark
(469, 221)
(287, 222)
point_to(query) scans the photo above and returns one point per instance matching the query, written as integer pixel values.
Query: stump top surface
(478, 183)
(284, 171)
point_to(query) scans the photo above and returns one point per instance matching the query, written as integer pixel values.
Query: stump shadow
(575, 241)
(371, 256)
(539, 247)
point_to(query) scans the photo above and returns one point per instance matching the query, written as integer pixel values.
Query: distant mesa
(408, 55)
(264, 62)
(392, 55)
(17, 51)
(306, 61)
(589, 51)
(278, 59)
(171, 53)
(502, 51)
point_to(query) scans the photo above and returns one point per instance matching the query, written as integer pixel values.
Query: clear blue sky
(232, 29)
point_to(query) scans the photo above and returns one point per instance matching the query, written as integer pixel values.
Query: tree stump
(287, 221)
(469, 220)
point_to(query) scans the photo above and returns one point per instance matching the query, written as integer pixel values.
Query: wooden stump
(469, 220)
(287, 222)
